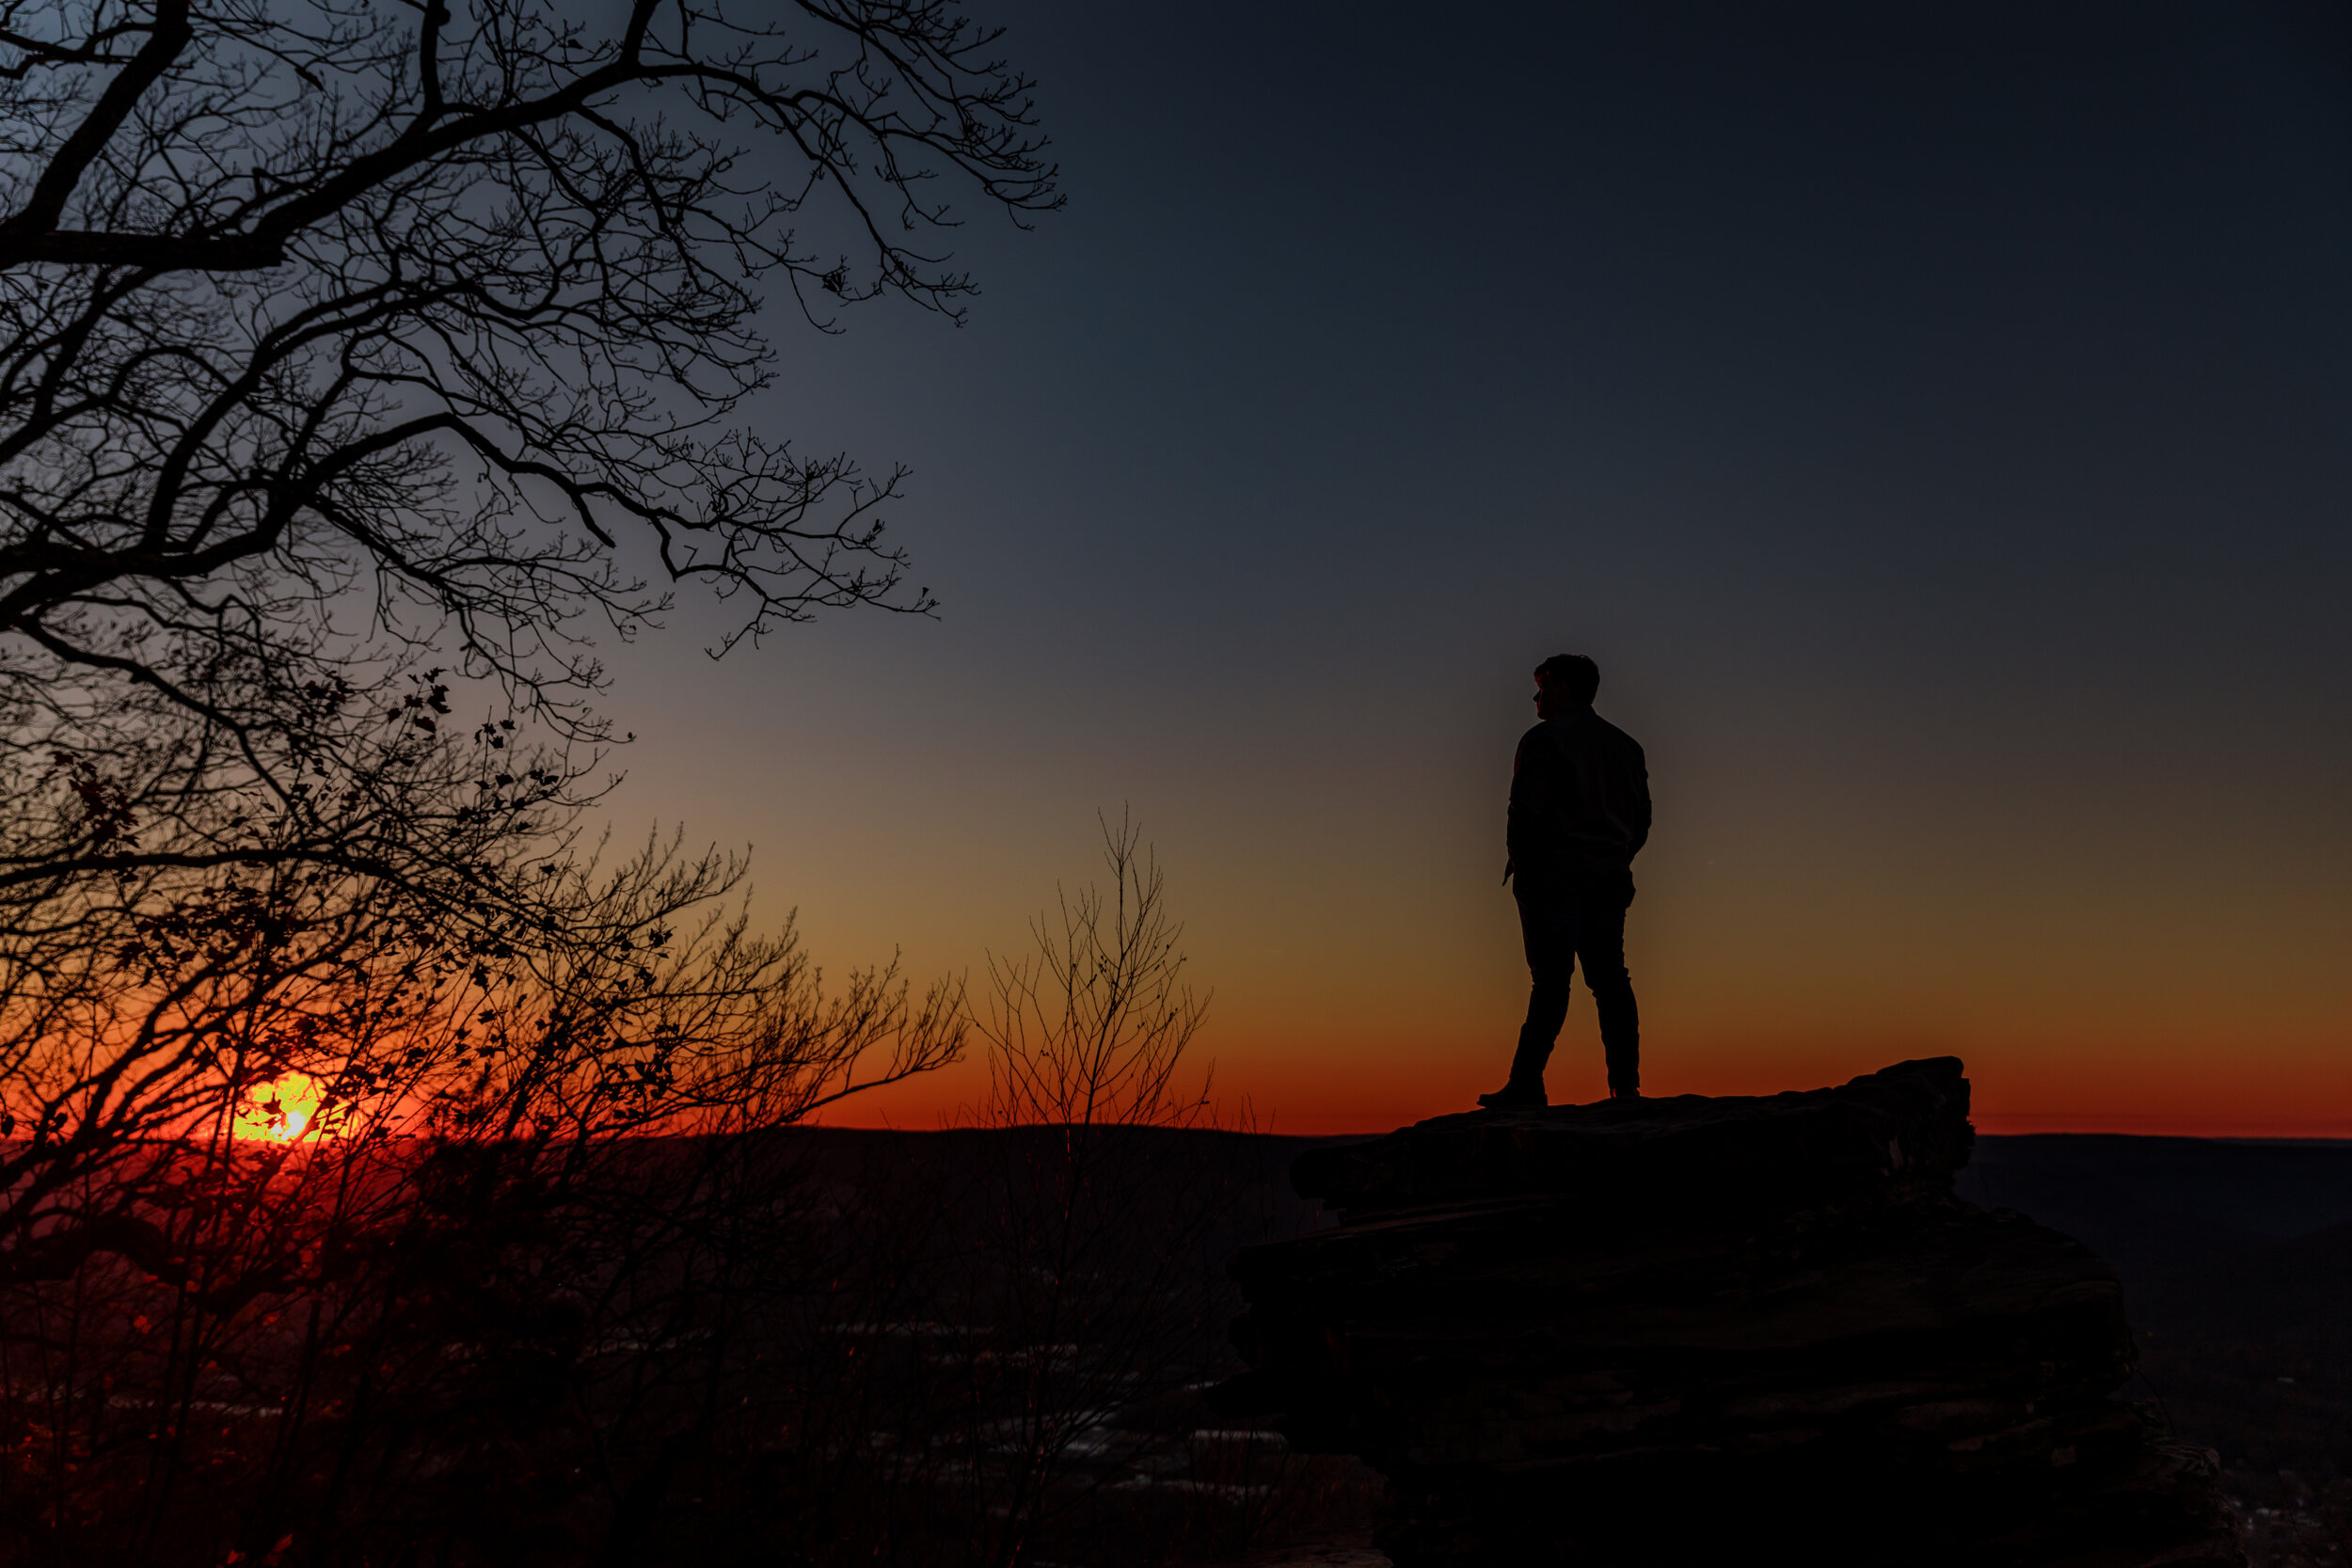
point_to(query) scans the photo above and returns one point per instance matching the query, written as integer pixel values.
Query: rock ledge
(1669, 1330)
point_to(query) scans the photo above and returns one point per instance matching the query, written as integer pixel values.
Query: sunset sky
(1936, 418)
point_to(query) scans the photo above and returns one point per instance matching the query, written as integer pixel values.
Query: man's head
(1565, 681)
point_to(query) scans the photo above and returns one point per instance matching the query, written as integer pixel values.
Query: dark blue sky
(1938, 420)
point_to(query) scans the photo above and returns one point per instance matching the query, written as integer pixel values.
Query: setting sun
(281, 1110)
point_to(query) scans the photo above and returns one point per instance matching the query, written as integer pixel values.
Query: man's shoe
(1515, 1096)
(1625, 1094)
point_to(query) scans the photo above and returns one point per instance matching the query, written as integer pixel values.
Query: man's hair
(1572, 674)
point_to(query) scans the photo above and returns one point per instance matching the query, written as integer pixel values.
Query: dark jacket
(1579, 798)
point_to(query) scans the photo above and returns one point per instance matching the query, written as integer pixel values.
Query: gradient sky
(1935, 418)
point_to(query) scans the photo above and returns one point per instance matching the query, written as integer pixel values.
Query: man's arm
(1516, 819)
(1641, 803)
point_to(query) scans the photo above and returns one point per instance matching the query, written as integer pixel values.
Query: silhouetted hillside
(2237, 1260)
(2253, 1352)
(2153, 1207)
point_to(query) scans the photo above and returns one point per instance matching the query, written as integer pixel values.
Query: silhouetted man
(1579, 812)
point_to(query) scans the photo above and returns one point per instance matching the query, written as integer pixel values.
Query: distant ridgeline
(1715, 1330)
(2159, 1208)
(2237, 1260)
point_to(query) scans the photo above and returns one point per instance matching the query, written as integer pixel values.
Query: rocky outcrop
(1725, 1330)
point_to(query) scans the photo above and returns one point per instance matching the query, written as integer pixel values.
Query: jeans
(1566, 920)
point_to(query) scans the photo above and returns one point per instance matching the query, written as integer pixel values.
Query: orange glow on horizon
(1323, 1088)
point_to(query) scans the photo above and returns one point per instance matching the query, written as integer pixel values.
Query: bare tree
(331, 333)
(337, 339)
(362, 363)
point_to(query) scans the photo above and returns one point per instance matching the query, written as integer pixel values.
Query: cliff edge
(1733, 1329)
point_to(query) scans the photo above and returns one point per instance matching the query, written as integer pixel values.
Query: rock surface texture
(1719, 1330)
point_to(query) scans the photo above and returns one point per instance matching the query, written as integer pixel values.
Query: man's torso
(1580, 798)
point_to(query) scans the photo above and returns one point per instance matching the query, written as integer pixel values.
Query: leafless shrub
(1038, 1295)
(1100, 1290)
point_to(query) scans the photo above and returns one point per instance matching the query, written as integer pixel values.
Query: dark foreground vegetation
(813, 1347)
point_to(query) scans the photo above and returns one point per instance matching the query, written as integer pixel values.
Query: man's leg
(1547, 929)
(1600, 943)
